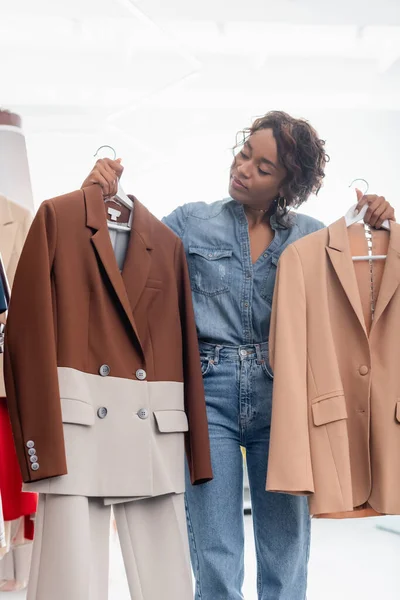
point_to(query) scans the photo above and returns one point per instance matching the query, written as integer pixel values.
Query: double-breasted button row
(102, 412)
(105, 370)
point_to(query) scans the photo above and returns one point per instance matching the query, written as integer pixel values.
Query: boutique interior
(165, 86)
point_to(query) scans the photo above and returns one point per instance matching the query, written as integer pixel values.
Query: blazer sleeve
(197, 439)
(289, 465)
(30, 365)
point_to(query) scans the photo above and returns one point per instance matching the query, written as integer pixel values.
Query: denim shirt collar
(239, 211)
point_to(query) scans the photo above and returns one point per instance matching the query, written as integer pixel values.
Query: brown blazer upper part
(15, 221)
(72, 311)
(335, 432)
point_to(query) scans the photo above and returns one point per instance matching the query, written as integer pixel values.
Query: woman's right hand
(106, 173)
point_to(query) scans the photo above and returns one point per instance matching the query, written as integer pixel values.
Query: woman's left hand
(378, 210)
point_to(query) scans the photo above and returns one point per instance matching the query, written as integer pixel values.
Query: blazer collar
(96, 215)
(340, 255)
(129, 285)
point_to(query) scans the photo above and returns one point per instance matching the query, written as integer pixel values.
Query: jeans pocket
(206, 364)
(267, 369)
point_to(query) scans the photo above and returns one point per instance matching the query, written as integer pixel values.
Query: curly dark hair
(301, 152)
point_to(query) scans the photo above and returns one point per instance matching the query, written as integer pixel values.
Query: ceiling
(155, 78)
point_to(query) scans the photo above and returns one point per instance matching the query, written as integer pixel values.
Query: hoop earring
(282, 203)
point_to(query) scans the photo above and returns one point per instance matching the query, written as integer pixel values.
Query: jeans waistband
(216, 352)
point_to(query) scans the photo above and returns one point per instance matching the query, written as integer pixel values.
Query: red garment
(16, 503)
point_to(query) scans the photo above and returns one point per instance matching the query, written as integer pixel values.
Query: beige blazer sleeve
(21, 236)
(289, 468)
(13, 233)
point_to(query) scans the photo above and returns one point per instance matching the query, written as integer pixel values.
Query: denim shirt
(232, 298)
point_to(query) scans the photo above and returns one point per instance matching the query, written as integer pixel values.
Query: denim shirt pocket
(210, 270)
(267, 291)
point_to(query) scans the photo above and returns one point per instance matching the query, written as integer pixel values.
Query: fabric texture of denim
(232, 302)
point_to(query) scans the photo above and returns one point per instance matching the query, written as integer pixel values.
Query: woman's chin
(238, 195)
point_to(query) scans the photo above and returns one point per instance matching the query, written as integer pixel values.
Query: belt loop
(216, 354)
(260, 359)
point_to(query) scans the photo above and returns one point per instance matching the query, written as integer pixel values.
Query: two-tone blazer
(335, 432)
(102, 367)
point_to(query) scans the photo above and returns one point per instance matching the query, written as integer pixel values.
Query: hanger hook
(361, 179)
(106, 146)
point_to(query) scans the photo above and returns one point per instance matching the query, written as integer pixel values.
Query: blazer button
(31, 451)
(141, 374)
(30, 444)
(364, 370)
(143, 413)
(102, 412)
(104, 370)
(35, 466)
(33, 459)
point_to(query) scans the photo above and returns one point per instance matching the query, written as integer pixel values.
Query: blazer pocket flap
(171, 421)
(398, 411)
(211, 253)
(76, 411)
(329, 410)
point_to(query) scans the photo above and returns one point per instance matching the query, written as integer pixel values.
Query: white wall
(170, 168)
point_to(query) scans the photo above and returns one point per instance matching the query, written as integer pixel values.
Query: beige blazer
(336, 406)
(14, 226)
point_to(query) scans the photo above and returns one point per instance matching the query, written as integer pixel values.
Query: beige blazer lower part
(122, 437)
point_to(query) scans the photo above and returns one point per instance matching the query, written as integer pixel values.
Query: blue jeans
(238, 385)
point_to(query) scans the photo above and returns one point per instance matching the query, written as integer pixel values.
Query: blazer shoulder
(161, 231)
(66, 201)
(161, 234)
(19, 213)
(312, 241)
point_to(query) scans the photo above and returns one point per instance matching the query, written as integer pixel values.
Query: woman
(233, 247)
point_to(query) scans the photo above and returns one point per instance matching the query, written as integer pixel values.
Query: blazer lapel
(8, 231)
(340, 256)
(391, 274)
(96, 219)
(138, 259)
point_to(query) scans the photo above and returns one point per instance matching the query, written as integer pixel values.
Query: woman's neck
(256, 216)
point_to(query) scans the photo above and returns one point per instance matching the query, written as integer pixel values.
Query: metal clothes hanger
(352, 217)
(120, 198)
